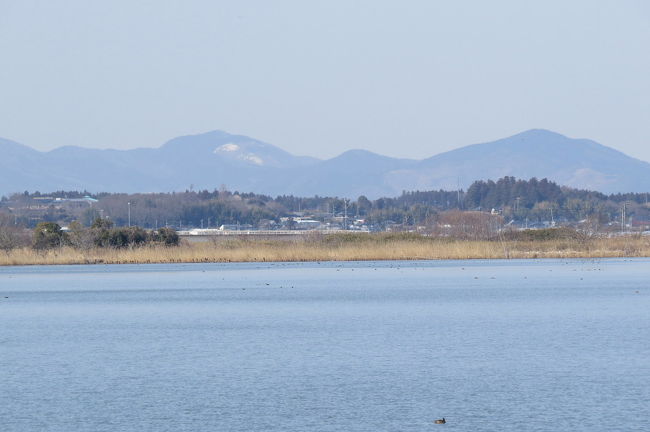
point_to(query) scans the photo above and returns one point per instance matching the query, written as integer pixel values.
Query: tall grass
(346, 247)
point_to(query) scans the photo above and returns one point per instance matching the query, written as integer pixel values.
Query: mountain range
(213, 159)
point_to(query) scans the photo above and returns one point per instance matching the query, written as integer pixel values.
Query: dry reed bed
(381, 248)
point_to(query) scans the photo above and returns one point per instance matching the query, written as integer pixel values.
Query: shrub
(136, 236)
(166, 236)
(48, 235)
(122, 237)
(100, 234)
(102, 224)
(562, 233)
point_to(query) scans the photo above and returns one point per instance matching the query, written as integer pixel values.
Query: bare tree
(472, 225)
(11, 235)
(80, 237)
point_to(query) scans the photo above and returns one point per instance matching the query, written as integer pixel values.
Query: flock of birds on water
(437, 421)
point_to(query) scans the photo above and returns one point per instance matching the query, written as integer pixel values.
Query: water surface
(490, 345)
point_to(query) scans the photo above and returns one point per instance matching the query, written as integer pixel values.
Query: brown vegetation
(344, 247)
(11, 235)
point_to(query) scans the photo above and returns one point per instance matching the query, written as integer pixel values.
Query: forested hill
(509, 191)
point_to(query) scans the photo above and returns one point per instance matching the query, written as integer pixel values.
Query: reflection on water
(506, 345)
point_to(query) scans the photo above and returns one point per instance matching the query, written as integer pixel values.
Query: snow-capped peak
(230, 147)
(238, 153)
(250, 157)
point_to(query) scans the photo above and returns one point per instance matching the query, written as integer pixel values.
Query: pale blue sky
(401, 78)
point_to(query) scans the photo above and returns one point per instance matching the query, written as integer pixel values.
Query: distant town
(483, 209)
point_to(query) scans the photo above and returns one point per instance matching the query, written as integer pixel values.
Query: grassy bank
(338, 248)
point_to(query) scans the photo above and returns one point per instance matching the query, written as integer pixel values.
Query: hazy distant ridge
(212, 159)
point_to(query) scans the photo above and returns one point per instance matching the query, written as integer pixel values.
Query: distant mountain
(351, 174)
(212, 159)
(579, 163)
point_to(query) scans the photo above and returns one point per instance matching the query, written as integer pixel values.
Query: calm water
(508, 346)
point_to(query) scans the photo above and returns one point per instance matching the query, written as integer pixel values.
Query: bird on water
(440, 421)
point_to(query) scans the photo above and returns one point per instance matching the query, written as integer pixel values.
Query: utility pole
(129, 205)
(345, 214)
(623, 217)
(552, 220)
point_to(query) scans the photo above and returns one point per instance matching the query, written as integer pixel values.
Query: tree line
(515, 199)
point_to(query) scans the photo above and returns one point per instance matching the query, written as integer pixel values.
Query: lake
(535, 345)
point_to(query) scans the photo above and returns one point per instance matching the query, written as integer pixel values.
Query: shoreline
(381, 248)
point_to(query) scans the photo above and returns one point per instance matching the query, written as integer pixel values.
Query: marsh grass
(344, 247)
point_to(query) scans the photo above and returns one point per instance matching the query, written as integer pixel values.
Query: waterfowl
(440, 421)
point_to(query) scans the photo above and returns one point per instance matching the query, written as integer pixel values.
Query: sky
(408, 78)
